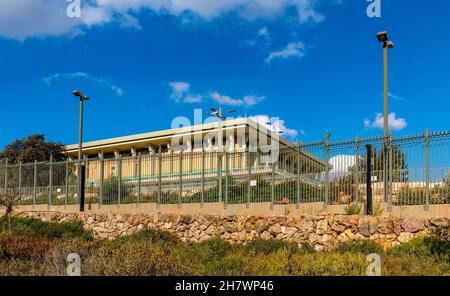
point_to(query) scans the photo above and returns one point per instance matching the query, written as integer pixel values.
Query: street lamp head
(78, 93)
(388, 44)
(382, 36)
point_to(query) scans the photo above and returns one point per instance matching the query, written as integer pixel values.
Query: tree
(33, 148)
(399, 169)
(9, 200)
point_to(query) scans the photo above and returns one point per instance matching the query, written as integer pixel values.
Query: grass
(40, 248)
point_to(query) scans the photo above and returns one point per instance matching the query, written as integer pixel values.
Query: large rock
(413, 225)
(368, 225)
(322, 226)
(261, 225)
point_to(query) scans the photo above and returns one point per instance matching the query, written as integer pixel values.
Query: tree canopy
(31, 148)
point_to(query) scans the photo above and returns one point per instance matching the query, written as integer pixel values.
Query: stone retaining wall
(321, 231)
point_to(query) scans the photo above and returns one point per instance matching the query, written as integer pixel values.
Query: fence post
(249, 167)
(102, 179)
(427, 170)
(390, 175)
(66, 196)
(203, 177)
(357, 170)
(50, 182)
(180, 166)
(219, 172)
(119, 189)
(34, 183)
(327, 159)
(226, 178)
(158, 203)
(20, 180)
(369, 180)
(139, 180)
(297, 203)
(272, 189)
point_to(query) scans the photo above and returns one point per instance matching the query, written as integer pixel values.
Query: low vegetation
(34, 247)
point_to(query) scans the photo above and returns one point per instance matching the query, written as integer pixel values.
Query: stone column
(151, 152)
(242, 149)
(116, 162)
(210, 155)
(231, 150)
(170, 151)
(133, 162)
(189, 158)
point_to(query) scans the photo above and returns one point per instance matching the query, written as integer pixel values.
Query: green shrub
(429, 247)
(151, 235)
(135, 259)
(36, 227)
(328, 264)
(267, 246)
(352, 209)
(363, 247)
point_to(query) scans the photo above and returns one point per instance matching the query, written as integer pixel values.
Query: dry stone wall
(322, 231)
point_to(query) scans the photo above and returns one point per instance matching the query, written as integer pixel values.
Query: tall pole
(219, 154)
(386, 122)
(80, 160)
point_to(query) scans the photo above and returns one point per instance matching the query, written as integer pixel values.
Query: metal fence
(408, 170)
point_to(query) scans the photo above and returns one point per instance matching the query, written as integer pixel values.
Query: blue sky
(316, 65)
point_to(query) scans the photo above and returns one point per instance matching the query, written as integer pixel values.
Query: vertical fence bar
(226, 179)
(203, 177)
(180, 166)
(427, 170)
(119, 182)
(66, 196)
(102, 180)
(138, 201)
(357, 143)
(158, 203)
(249, 167)
(391, 173)
(272, 186)
(20, 180)
(297, 203)
(50, 182)
(219, 172)
(369, 180)
(34, 183)
(327, 169)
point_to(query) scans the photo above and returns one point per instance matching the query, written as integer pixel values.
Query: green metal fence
(407, 170)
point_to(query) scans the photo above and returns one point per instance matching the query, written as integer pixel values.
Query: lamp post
(387, 44)
(220, 115)
(81, 167)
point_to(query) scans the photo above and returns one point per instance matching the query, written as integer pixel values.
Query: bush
(364, 247)
(429, 247)
(135, 258)
(352, 209)
(151, 235)
(267, 246)
(38, 228)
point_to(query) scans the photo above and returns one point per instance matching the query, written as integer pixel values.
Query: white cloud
(394, 123)
(247, 101)
(49, 80)
(181, 93)
(20, 19)
(293, 49)
(179, 89)
(275, 124)
(396, 97)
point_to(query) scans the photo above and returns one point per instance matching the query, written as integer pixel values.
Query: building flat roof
(159, 137)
